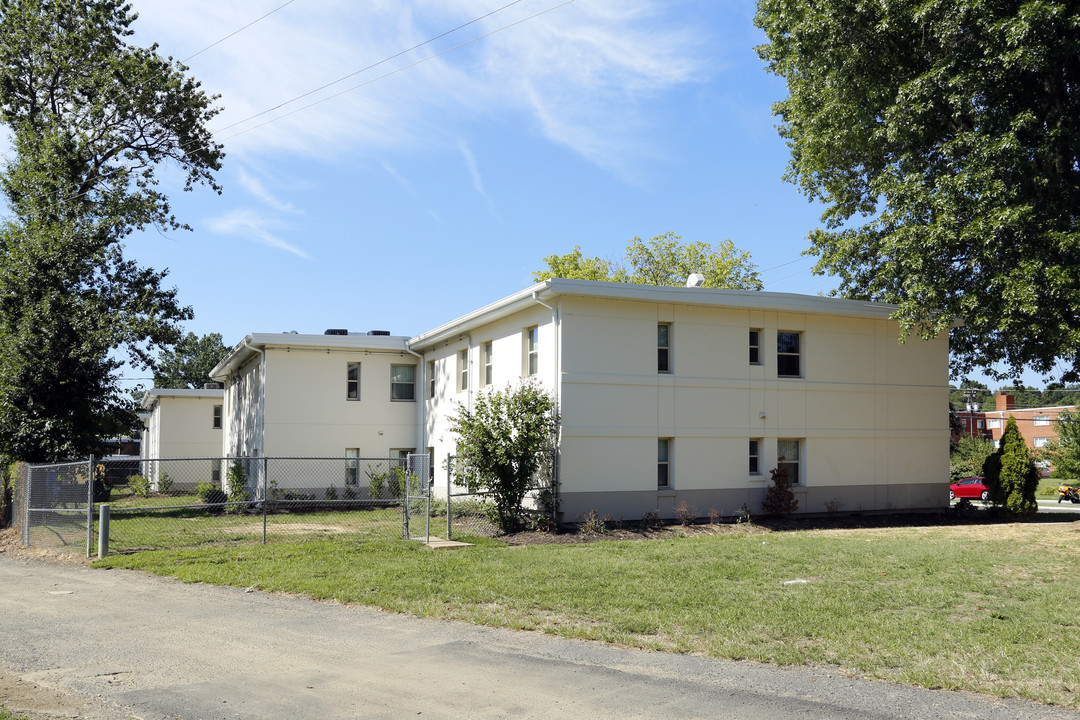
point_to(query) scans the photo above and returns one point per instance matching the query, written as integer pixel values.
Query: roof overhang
(152, 396)
(256, 343)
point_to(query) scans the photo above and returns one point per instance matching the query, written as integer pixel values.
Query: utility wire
(239, 30)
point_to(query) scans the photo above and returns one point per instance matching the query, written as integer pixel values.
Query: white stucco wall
(181, 425)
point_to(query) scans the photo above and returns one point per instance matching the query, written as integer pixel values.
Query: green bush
(211, 494)
(236, 481)
(139, 485)
(331, 493)
(164, 483)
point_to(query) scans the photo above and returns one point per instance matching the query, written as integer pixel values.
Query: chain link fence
(467, 512)
(188, 502)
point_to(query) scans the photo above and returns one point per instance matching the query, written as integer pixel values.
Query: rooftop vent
(695, 280)
(336, 331)
(211, 386)
(378, 332)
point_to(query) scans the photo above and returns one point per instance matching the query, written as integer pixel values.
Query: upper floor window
(788, 354)
(352, 382)
(431, 378)
(663, 348)
(487, 363)
(402, 382)
(755, 347)
(994, 423)
(217, 417)
(532, 350)
(463, 370)
(1041, 420)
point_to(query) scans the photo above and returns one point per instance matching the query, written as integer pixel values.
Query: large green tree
(503, 441)
(1064, 452)
(91, 119)
(662, 260)
(188, 364)
(943, 139)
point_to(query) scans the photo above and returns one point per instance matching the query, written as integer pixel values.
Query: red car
(972, 487)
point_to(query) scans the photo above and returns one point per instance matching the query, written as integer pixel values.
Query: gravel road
(108, 644)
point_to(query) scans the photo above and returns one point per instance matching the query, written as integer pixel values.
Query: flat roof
(153, 394)
(251, 344)
(709, 297)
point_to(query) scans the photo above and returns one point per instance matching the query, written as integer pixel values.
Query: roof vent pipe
(695, 280)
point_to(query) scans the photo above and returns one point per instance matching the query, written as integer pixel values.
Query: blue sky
(433, 184)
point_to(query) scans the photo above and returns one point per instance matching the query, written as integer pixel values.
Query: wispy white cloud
(245, 222)
(474, 173)
(255, 187)
(407, 186)
(588, 75)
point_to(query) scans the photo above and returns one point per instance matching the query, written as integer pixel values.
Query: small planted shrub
(139, 485)
(331, 493)
(350, 493)
(211, 495)
(779, 498)
(164, 483)
(376, 483)
(236, 480)
(592, 524)
(650, 520)
(714, 516)
(685, 514)
(544, 524)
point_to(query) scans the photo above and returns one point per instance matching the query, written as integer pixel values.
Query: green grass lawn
(989, 608)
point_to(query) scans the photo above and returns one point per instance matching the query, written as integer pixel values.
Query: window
(352, 465)
(1041, 420)
(431, 378)
(755, 347)
(663, 348)
(755, 455)
(663, 463)
(402, 382)
(217, 417)
(532, 350)
(993, 424)
(463, 370)
(980, 424)
(787, 458)
(1041, 442)
(352, 382)
(487, 363)
(402, 456)
(787, 354)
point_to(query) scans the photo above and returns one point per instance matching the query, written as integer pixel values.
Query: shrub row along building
(667, 395)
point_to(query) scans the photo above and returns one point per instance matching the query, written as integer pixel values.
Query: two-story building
(181, 423)
(672, 395)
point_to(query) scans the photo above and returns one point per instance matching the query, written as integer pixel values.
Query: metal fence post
(103, 530)
(449, 474)
(265, 499)
(90, 506)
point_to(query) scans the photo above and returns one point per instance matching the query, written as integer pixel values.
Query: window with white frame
(403, 382)
(487, 363)
(1041, 442)
(789, 354)
(463, 370)
(532, 350)
(352, 465)
(993, 423)
(663, 348)
(755, 347)
(352, 381)
(217, 418)
(755, 456)
(788, 457)
(1041, 420)
(431, 378)
(980, 424)
(663, 463)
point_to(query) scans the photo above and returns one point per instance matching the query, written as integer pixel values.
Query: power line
(239, 30)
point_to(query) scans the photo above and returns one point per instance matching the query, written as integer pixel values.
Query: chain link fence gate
(417, 485)
(55, 504)
(471, 513)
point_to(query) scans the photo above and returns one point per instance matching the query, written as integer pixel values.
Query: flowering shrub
(502, 443)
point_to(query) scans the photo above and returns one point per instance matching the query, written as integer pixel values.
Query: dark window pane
(787, 365)
(754, 355)
(662, 475)
(787, 342)
(662, 360)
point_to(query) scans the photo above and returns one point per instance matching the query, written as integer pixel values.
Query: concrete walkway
(125, 644)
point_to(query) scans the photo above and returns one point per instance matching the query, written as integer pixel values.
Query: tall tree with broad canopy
(90, 119)
(662, 260)
(943, 139)
(188, 364)
(1064, 452)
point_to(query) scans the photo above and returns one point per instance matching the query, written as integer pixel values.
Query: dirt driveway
(115, 644)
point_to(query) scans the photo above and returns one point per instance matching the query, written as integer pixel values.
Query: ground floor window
(755, 455)
(663, 463)
(788, 457)
(352, 461)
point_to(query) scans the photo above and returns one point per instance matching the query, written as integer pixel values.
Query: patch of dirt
(11, 546)
(36, 702)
